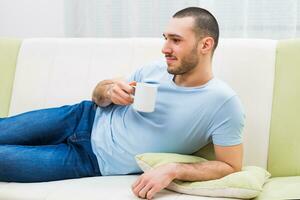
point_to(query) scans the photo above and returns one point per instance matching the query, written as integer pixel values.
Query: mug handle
(132, 95)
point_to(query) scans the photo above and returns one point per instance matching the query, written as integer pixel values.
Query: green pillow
(245, 184)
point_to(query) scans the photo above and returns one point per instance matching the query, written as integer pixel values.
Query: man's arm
(228, 160)
(115, 91)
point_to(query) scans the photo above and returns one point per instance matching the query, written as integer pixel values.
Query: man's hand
(151, 182)
(120, 92)
(228, 160)
(115, 91)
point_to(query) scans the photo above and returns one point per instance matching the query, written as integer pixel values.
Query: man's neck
(200, 75)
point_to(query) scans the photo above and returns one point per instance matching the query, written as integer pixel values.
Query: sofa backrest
(9, 49)
(53, 72)
(284, 159)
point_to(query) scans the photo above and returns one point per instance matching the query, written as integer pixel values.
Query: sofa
(46, 72)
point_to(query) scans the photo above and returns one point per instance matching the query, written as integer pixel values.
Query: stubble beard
(188, 63)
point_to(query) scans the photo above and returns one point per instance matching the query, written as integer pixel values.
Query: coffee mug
(144, 97)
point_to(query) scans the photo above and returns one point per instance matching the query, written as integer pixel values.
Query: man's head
(205, 24)
(191, 35)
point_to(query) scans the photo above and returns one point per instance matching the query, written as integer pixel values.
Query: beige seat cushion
(97, 188)
(281, 188)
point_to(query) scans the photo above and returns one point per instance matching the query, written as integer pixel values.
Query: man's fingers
(125, 86)
(133, 83)
(120, 93)
(121, 96)
(152, 192)
(144, 191)
(136, 182)
(124, 95)
(118, 100)
(138, 188)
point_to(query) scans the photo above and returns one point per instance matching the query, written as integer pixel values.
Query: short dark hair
(205, 23)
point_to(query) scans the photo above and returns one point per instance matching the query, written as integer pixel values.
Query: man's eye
(176, 40)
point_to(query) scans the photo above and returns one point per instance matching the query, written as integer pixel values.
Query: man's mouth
(170, 58)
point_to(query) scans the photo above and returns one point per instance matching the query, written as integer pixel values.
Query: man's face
(180, 47)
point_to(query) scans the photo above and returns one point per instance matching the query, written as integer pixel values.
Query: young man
(192, 109)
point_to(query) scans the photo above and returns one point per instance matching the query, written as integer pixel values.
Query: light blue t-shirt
(185, 119)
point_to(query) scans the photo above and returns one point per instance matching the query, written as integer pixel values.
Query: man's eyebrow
(173, 35)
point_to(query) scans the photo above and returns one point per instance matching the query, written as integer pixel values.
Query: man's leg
(46, 126)
(64, 134)
(45, 163)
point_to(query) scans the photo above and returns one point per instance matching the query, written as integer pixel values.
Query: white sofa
(53, 72)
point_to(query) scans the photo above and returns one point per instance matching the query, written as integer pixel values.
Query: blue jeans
(49, 144)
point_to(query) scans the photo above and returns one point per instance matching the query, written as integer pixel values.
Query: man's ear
(206, 45)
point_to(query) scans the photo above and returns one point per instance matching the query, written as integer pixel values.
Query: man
(192, 109)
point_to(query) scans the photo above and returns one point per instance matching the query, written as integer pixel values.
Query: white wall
(31, 18)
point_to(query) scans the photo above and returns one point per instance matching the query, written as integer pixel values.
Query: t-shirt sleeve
(136, 76)
(146, 71)
(228, 123)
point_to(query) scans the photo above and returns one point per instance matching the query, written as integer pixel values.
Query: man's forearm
(101, 95)
(202, 171)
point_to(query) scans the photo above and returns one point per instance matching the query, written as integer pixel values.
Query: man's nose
(166, 49)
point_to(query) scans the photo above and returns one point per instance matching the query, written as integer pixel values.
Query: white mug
(144, 97)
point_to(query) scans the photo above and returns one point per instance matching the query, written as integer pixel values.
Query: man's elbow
(232, 168)
(235, 168)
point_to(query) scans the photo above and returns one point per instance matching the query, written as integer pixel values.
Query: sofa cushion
(281, 188)
(95, 188)
(245, 184)
(284, 159)
(9, 49)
